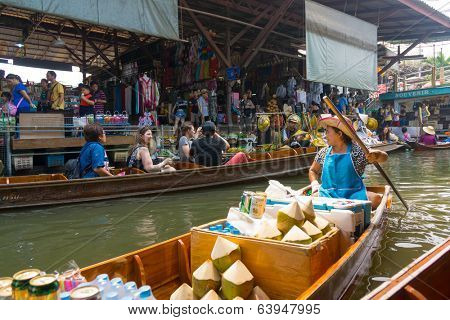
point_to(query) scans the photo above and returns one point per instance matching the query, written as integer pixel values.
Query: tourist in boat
(208, 148)
(386, 136)
(184, 144)
(406, 137)
(341, 165)
(93, 158)
(429, 136)
(139, 154)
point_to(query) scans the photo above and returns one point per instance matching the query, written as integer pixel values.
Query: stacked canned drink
(253, 203)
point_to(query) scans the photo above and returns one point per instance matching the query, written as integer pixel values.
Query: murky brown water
(91, 232)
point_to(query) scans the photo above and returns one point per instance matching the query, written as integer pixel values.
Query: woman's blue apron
(339, 177)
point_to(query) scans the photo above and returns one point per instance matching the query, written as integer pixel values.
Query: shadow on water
(40, 237)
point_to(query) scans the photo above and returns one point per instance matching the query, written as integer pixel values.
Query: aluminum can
(21, 281)
(43, 288)
(86, 293)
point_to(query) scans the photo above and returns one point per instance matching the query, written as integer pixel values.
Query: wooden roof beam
(404, 53)
(93, 45)
(72, 53)
(264, 34)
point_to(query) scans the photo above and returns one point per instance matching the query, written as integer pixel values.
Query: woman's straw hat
(429, 130)
(328, 120)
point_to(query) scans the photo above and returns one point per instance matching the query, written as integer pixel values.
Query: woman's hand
(315, 185)
(376, 156)
(167, 161)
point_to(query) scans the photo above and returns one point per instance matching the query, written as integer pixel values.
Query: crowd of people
(51, 99)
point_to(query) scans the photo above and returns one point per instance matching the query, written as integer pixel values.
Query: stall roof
(248, 20)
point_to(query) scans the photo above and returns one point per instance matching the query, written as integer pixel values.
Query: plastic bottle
(130, 286)
(145, 293)
(127, 298)
(116, 281)
(65, 296)
(112, 295)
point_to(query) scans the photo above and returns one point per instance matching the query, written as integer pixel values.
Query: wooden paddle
(364, 148)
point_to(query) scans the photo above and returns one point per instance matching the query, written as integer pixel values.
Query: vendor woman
(342, 164)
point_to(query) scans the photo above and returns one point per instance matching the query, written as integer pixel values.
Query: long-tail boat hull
(422, 147)
(167, 265)
(189, 176)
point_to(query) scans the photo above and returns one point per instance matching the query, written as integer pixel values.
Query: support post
(264, 34)
(83, 67)
(228, 51)
(433, 76)
(116, 55)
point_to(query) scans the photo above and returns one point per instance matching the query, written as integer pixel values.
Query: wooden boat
(426, 278)
(421, 147)
(43, 190)
(389, 147)
(167, 265)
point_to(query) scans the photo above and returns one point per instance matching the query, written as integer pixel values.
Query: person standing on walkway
(99, 98)
(55, 93)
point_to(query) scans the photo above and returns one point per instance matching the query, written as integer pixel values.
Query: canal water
(46, 238)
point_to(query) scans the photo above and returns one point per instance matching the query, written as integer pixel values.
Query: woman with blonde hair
(139, 154)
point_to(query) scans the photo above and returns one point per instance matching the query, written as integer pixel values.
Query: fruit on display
(289, 216)
(297, 235)
(184, 292)
(272, 105)
(237, 281)
(268, 230)
(258, 294)
(205, 278)
(312, 230)
(263, 123)
(322, 224)
(211, 295)
(224, 254)
(308, 209)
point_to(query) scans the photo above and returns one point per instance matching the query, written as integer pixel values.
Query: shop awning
(340, 49)
(152, 17)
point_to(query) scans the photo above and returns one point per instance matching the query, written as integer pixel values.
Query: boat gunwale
(409, 273)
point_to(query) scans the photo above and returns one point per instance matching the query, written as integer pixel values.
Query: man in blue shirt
(93, 159)
(343, 103)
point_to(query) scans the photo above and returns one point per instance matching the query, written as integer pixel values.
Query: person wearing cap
(341, 165)
(293, 135)
(208, 148)
(429, 136)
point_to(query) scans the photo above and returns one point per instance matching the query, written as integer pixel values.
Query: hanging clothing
(117, 98)
(136, 92)
(291, 84)
(339, 177)
(128, 98)
(281, 92)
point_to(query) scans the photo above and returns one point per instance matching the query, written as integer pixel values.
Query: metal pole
(8, 157)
